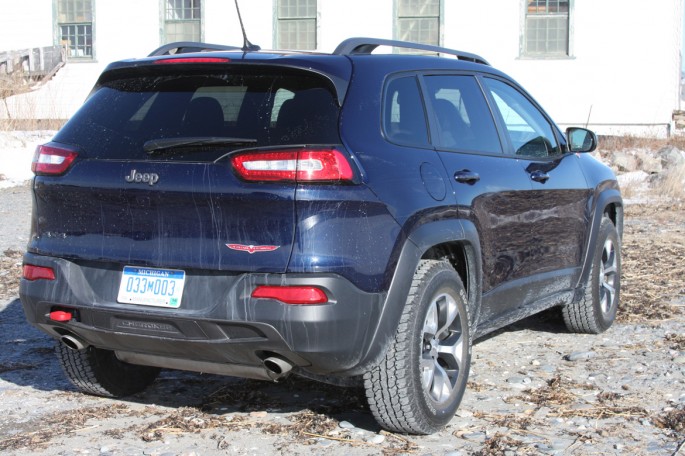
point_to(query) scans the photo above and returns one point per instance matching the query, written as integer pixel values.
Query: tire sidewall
(439, 281)
(606, 231)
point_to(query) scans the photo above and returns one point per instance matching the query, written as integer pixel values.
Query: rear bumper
(218, 328)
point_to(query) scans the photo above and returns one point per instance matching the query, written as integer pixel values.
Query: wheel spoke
(427, 366)
(451, 351)
(610, 270)
(442, 385)
(448, 312)
(430, 326)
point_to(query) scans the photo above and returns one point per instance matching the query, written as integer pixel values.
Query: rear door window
(464, 121)
(268, 108)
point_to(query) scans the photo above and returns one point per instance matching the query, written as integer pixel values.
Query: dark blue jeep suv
(351, 216)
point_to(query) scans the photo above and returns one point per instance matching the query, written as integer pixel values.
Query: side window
(463, 118)
(529, 131)
(404, 119)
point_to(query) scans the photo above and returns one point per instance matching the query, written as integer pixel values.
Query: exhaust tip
(72, 342)
(277, 368)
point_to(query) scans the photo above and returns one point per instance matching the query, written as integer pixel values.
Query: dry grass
(615, 143)
(16, 85)
(10, 272)
(653, 262)
(673, 183)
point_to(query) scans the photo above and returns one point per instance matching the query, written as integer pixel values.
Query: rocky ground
(534, 387)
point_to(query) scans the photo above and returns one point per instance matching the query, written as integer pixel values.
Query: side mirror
(581, 139)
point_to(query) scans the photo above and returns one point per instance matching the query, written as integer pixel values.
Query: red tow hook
(60, 315)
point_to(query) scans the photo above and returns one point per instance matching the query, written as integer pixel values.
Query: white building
(611, 64)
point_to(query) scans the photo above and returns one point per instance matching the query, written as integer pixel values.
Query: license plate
(151, 287)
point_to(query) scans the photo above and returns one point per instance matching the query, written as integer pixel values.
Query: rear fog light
(31, 272)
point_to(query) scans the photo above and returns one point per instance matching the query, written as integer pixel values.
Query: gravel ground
(534, 387)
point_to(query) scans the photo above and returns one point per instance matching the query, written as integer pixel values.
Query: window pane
(419, 8)
(78, 38)
(403, 113)
(183, 9)
(297, 34)
(182, 31)
(547, 35)
(463, 118)
(546, 27)
(296, 24)
(74, 11)
(529, 131)
(294, 9)
(426, 31)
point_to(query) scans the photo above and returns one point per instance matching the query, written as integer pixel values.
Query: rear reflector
(52, 161)
(31, 272)
(193, 60)
(302, 165)
(60, 315)
(292, 295)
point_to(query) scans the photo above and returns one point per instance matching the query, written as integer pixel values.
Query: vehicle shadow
(548, 321)
(29, 361)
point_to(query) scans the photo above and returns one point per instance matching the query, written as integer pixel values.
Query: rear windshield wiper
(155, 146)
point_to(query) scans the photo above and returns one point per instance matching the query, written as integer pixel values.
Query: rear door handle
(466, 176)
(539, 176)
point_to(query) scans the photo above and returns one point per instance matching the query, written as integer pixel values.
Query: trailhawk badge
(252, 248)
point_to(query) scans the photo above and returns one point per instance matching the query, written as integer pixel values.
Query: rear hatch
(152, 180)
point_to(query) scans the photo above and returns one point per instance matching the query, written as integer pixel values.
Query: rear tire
(596, 311)
(99, 372)
(419, 384)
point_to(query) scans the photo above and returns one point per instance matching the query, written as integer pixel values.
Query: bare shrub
(673, 183)
(616, 143)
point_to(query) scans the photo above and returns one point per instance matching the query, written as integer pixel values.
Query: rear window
(267, 109)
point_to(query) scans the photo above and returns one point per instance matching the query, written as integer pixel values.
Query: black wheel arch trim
(418, 242)
(604, 199)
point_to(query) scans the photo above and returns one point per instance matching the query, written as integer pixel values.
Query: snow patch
(16, 154)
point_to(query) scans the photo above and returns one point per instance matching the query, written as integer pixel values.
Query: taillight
(51, 160)
(292, 295)
(303, 165)
(32, 272)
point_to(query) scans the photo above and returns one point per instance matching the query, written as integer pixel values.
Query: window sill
(81, 60)
(545, 57)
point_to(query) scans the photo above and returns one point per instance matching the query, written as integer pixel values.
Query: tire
(418, 385)
(596, 311)
(99, 372)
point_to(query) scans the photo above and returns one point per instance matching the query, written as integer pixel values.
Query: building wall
(25, 24)
(623, 73)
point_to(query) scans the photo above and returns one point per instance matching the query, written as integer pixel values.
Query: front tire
(419, 384)
(99, 372)
(596, 311)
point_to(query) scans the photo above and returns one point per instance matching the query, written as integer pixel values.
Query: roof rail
(367, 45)
(182, 47)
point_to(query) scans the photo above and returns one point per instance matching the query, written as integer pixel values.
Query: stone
(377, 439)
(346, 425)
(624, 161)
(474, 436)
(580, 356)
(463, 413)
(648, 162)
